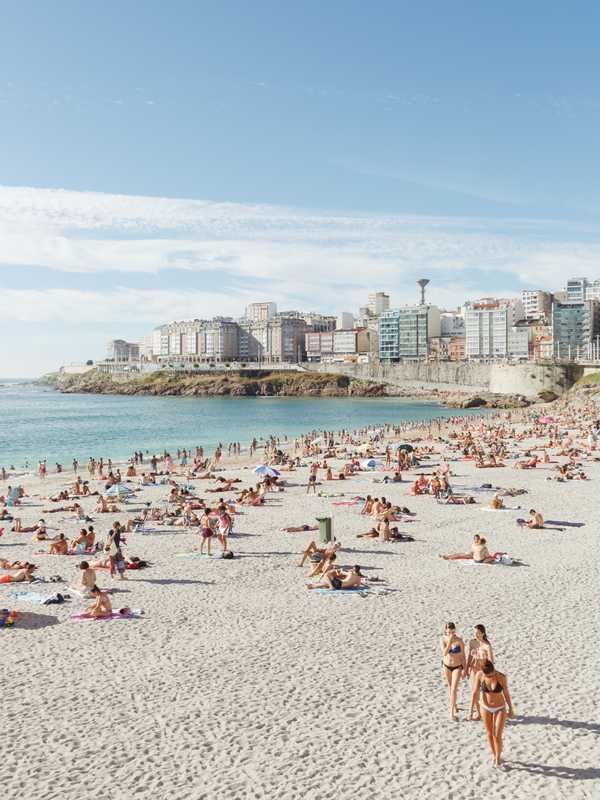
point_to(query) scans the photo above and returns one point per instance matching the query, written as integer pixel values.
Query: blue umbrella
(262, 469)
(370, 462)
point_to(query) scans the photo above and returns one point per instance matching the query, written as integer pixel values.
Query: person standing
(495, 703)
(453, 662)
(225, 523)
(312, 479)
(115, 554)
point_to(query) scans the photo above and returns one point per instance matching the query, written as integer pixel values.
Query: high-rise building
(488, 323)
(260, 312)
(404, 332)
(378, 302)
(574, 326)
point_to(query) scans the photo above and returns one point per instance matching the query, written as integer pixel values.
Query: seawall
(525, 379)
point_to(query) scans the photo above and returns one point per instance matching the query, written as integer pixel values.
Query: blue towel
(28, 597)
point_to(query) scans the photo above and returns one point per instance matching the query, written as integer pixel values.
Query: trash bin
(325, 529)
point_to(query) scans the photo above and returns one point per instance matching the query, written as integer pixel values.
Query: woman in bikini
(495, 703)
(101, 607)
(453, 662)
(206, 530)
(480, 651)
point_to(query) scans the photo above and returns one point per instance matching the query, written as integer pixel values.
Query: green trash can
(325, 529)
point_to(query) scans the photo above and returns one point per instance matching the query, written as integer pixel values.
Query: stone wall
(526, 379)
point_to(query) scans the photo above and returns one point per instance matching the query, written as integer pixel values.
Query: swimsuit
(453, 651)
(496, 690)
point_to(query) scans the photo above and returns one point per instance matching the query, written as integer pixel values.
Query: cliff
(220, 384)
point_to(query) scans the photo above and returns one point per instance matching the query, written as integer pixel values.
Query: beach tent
(118, 490)
(369, 463)
(262, 469)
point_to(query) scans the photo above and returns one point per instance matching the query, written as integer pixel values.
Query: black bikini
(455, 651)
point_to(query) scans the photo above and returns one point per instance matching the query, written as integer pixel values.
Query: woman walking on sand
(495, 703)
(453, 662)
(480, 651)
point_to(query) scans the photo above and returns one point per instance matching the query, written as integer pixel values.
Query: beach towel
(37, 598)
(504, 561)
(346, 503)
(132, 613)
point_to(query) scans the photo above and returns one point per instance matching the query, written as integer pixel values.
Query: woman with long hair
(480, 650)
(495, 703)
(453, 662)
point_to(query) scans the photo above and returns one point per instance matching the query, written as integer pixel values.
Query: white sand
(239, 683)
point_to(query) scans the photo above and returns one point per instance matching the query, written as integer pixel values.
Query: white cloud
(112, 307)
(331, 259)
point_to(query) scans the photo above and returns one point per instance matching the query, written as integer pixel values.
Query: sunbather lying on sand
(4, 564)
(23, 575)
(323, 553)
(458, 500)
(300, 528)
(339, 579)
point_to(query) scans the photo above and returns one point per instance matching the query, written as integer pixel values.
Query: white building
(488, 323)
(536, 303)
(378, 302)
(260, 312)
(344, 321)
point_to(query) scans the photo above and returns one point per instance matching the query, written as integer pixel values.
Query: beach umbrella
(408, 448)
(262, 469)
(118, 490)
(370, 463)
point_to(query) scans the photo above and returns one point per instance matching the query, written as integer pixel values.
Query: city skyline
(310, 154)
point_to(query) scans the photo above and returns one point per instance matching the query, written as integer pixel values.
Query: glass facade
(403, 334)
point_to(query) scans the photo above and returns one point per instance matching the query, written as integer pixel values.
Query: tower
(423, 283)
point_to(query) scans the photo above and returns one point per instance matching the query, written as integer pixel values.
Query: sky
(168, 160)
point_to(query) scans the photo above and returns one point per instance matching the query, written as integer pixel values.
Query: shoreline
(265, 383)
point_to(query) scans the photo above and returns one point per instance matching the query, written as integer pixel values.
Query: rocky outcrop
(256, 383)
(486, 400)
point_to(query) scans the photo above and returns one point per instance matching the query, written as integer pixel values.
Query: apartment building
(404, 332)
(489, 333)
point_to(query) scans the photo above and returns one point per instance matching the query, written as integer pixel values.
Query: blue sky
(319, 151)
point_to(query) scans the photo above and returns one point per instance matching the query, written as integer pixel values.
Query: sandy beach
(238, 682)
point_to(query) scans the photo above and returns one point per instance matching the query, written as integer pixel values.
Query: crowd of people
(316, 464)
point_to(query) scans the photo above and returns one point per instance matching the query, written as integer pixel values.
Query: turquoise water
(37, 422)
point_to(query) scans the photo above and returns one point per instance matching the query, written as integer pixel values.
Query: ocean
(37, 422)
